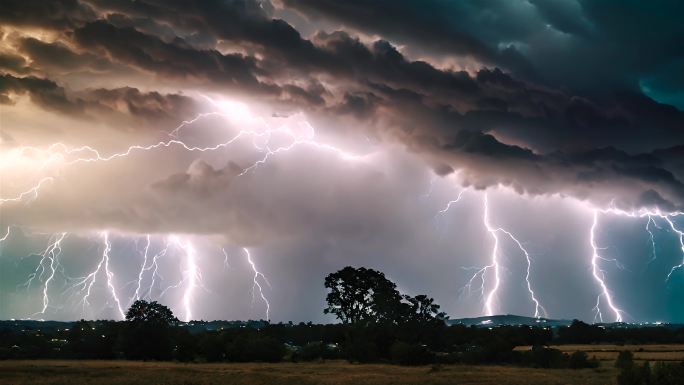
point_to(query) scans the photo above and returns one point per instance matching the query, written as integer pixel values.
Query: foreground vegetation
(329, 372)
(379, 326)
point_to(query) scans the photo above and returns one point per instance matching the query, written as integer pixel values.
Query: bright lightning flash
(599, 275)
(256, 284)
(59, 155)
(481, 274)
(86, 283)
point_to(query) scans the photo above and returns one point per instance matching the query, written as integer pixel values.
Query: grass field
(330, 372)
(673, 352)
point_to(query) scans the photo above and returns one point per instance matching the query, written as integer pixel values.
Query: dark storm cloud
(151, 106)
(397, 19)
(58, 14)
(249, 24)
(547, 123)
(13, 63)
(585, 44)
(118, 102)
(42, 92)
(58, 56)
(170, 59)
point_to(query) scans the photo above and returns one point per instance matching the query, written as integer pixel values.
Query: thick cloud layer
(523, 117)
(550, 98)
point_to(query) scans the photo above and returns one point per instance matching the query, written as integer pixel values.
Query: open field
(605, 352)
(44, 372)
(330, 372)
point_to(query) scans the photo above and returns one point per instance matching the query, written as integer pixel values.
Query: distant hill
(508, 319)
(199, 326)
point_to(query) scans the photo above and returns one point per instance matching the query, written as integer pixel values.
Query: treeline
(378, 324)
(408, 344)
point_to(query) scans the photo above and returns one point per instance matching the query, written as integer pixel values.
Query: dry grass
(331, 372)
(672, 352)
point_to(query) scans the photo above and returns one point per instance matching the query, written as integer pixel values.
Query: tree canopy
(361, 295)
(150, 312)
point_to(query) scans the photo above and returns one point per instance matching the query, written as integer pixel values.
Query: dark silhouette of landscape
(378, 324)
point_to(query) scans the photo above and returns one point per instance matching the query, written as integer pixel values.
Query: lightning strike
(650, 214)
(482, 273)
(88, 154)
(51, 255)
(599, 275)
(538, 308)
(33, 191)
(7, 233)
(143, 267)
(86, 283)
(190, 275)
(489, 307)
(256, 284)
(450, 203)
(64, 155)
(652, 237)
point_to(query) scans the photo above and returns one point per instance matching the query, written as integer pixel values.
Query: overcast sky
(223, 156)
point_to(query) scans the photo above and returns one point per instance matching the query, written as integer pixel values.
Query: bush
(541, 357)
(636, 375)
(624, 360)
(579, 360)
(667, 374)
(411, 354)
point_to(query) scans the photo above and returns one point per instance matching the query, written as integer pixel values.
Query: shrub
(579, 360)
(624, 360)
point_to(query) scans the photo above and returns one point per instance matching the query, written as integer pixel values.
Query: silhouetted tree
(147, 334)
(152, 312)
(360, 295)
(422, 309)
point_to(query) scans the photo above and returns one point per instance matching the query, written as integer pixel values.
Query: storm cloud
(549, 99)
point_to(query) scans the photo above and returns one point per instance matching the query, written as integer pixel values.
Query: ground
(606, 352)
(331, 372)
(46, 372)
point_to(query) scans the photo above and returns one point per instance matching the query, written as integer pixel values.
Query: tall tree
(153, 312)
(361, 295)
(148, 329)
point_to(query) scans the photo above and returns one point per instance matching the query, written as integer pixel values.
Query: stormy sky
(223, 156)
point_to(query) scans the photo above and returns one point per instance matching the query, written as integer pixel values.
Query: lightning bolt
(650, 214)
(86, 283)
(680, 235)
(599, 275)
(155, 272)
(450, 203)
(256, 284)
(143, 268)
(651, 237)
(32, 192)
(7, 233)
(538, 308)
(262, 140)
(191, 275)
(495, 259)
(51, 255)
(88, 154)
(482, 273)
